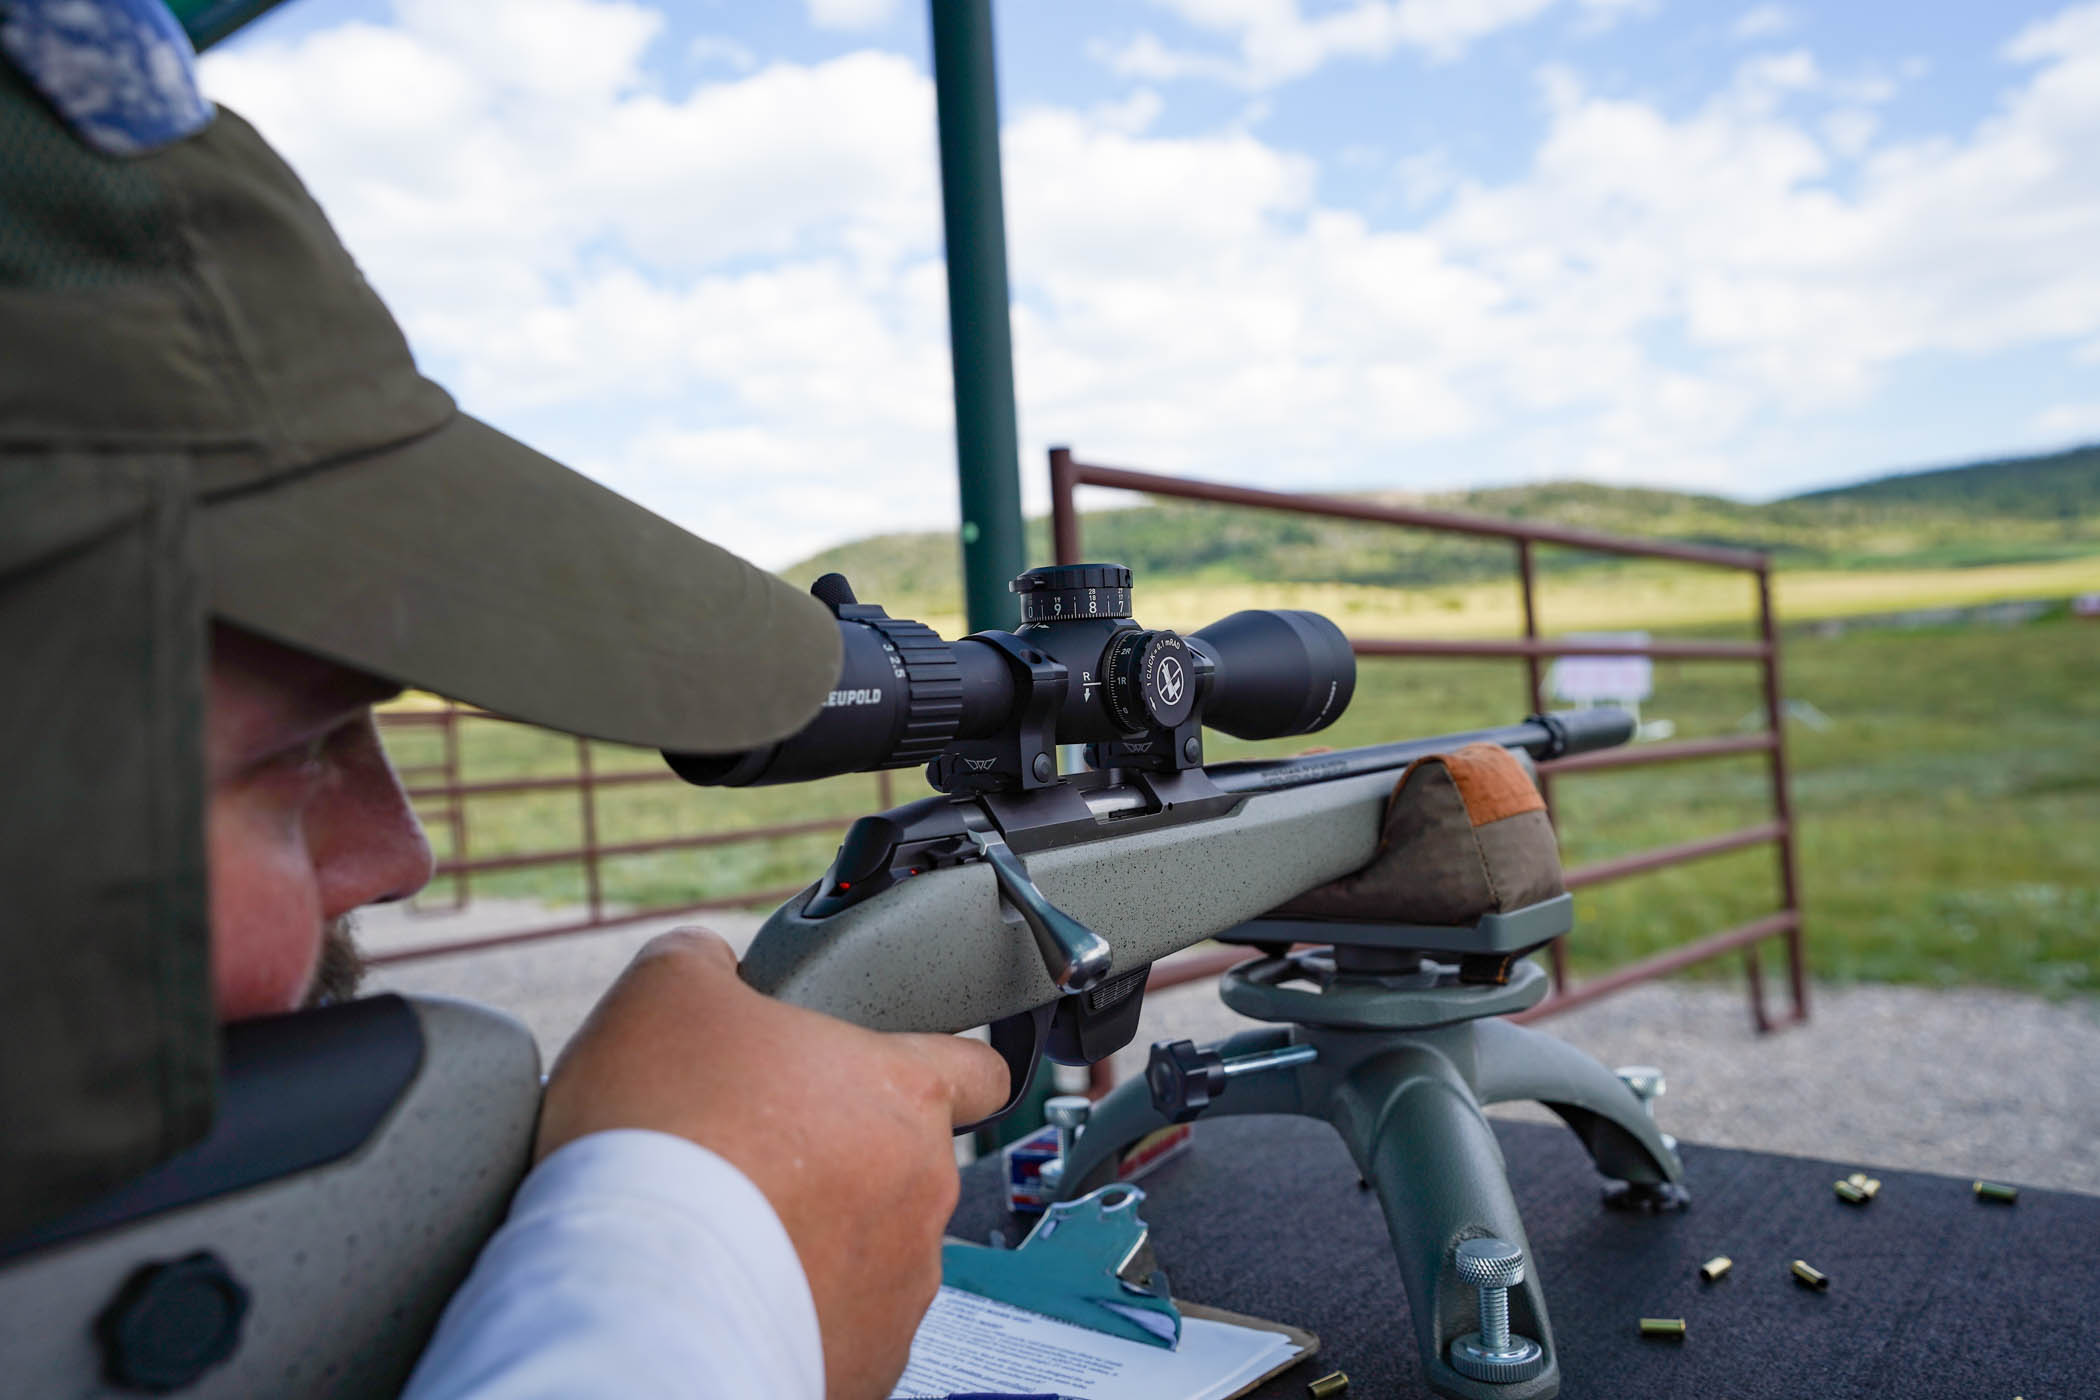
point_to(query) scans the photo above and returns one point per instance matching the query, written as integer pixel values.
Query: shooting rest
(1382, 1038)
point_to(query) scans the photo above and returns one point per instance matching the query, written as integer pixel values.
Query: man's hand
(846, 1131)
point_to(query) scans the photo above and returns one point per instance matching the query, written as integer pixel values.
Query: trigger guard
(1019, 1041)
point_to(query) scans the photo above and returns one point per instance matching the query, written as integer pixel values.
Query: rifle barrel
(1542, 736)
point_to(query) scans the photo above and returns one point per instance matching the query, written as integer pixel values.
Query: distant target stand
(1609, 678)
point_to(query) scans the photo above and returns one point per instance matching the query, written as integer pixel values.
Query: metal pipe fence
(1067, 475)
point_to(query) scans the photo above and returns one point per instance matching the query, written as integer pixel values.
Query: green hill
(2059, 486)
(2015, 511)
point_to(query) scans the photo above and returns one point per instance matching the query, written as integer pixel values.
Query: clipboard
(1298, 1336)
(1087, 1265)
(1307, 1342)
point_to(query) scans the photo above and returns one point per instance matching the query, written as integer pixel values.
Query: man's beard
(342, 965)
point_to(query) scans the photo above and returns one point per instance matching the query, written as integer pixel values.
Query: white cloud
(2070, 422)
(560, 50)
(1133, 114)
(851, 14)
(717, 48)
(1850, 130)
(1598, 16)
(1779, 295)
(728, 301)
(756, 259)
(1763, 22)
(1277, 42)
(1723, 225)
(2072, 34)
(1254, 113)
(1145, 57)
(1425, 177)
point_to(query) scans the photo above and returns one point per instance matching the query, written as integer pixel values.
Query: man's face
(307, 822)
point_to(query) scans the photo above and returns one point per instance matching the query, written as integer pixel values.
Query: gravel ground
(548, 985)
(1970, 1083)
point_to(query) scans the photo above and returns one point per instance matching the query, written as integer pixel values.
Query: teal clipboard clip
(1071, 1268)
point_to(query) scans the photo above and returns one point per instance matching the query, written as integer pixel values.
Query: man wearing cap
(233, 517)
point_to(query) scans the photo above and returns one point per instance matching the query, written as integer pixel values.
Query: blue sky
(1409, 246)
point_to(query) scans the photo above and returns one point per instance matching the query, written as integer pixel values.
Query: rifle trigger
(1019, 1041)
(1074, 955)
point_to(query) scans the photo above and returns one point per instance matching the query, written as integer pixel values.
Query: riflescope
(986, 713)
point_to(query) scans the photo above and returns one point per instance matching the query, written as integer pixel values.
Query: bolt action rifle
(1036, 902)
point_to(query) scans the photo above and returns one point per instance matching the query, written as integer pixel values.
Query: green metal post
(980, 338)
(981, 348)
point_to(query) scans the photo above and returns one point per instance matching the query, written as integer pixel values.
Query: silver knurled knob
(1490, 1263)
(1492, 1354)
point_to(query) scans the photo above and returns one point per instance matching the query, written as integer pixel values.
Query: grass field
(1660, 597)
(1950, 814)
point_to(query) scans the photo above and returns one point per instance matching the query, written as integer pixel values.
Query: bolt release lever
(1074, 955)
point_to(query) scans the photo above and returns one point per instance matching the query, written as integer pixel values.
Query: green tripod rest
(1381, 1034)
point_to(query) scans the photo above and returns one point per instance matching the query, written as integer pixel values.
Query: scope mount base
(1023, 756)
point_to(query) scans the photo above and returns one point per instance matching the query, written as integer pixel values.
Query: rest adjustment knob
(1183, 1079)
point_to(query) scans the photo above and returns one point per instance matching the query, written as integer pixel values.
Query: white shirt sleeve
(632, 1263)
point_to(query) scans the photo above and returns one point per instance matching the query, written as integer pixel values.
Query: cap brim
(464, 563)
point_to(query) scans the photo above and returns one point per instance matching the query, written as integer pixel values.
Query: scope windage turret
(983, 712)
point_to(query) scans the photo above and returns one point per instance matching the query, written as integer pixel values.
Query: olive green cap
(349, 509)
(206, 412)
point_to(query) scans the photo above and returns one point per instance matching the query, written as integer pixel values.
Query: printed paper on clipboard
(967, 1343)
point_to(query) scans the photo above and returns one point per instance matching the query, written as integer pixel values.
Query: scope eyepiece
(1078, 669)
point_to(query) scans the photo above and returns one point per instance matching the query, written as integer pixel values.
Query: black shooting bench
(1932, 1292)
